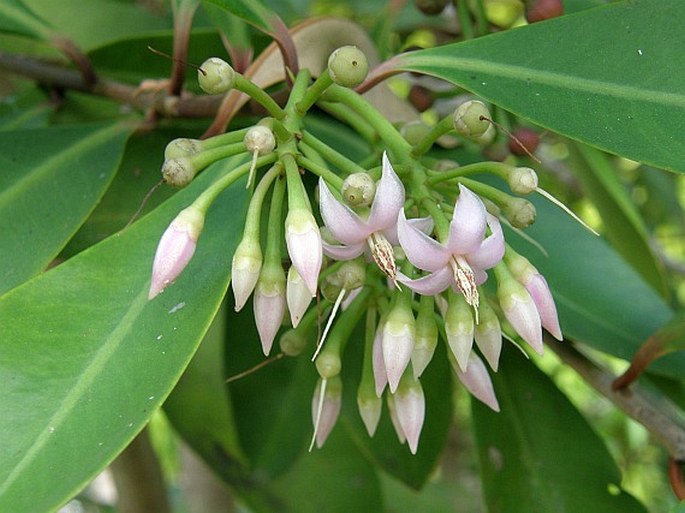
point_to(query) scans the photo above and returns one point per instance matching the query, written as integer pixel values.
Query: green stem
(206, 157)
(314, 92)
(333, 180)
(350, 117)
(274, 236)
(442, 225)
(330, 155)
(296, 194)
(204, 200)
(464, 18)
(437, 131)
(258, 94)
(252, 220)
(500, 198)
(224, 139)
(496, 168)
(297, 94)
(387, 132)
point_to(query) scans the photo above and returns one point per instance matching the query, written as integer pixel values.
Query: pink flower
(355, 233)
(303, 240)
(176, 248)
(460, 262)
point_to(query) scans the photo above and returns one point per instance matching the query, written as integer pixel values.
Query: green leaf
(539, 454)
(52, 179)
(87, 358)
(252, 11)
(18, 18)
(624, 226)
(602, 301)
(603, 81)
(201, 410)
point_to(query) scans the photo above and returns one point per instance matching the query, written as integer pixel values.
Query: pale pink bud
(245, 269)
(269, 305)
(426, 342)
(488, 335)
(410, 408)
(304, 245)
(330, 409)
(176, 248)
(522, 314)
(297, 295)
(477, 381)
(459, 329)
(370, 407)
(392, 409)
(380, 376)
(399, 333)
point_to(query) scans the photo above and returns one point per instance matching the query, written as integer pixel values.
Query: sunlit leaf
(611, 79)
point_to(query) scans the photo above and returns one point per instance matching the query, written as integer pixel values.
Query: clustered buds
(410, 261)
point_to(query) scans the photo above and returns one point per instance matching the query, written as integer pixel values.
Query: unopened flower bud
(358, 190)
(414, 131)
(330, 408)
(245, 269)
(216, 76)
(399, 335)
(176, 248)
(348, 66)
(459, 328)
(259, 139)
(370, 407)
(520, 212)
(392, 409)
(523, 180)
(380, 376)
(328, 364)
(303, 240)
(410, 408)
(297, 295)
(182, 147)
(179, 171)
(431, 7)
(487, 137)
(269, 304)
(472, 119)
(292, 342)
(503, 13)
(477, 381)
(426, 341)
(488, 334)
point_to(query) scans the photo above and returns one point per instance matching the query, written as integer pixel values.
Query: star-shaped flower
(465, 256)
(355, 233)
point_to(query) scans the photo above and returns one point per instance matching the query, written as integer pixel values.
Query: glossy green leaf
(273, 404)
(623, 225)
(602, 301)
(335, 479)
(538, 454)
(18, 18)
(201, 411)
(252, 11)
(612, 78)
(87, 358)
(52, 179)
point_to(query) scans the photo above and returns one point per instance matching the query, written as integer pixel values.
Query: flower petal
(425, 224)
(477, 381)
(410, 408)
(422, 251)
(343, 252)
(344, 224)
(542, 297)
(388, 200)
(468, 223)
(431, 284)
(491, 251)
(303, 240)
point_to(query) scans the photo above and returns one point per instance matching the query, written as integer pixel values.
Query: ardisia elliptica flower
(303, 240)
(463, 259)
(176, 248)
(355, 233)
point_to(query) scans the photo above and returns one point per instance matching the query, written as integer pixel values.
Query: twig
(657, 415)
(54, 75)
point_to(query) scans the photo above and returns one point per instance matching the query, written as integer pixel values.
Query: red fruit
(528, 139)
(540, 10)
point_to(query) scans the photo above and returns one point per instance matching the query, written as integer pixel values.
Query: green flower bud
(182, 148)
(358, 190)
(503, 13)
(472, 119)
(178, 172)
(216, 76)
(260, 139)
(414, 131)
(520, 213)
(292, 342)
(523, 180)
(348, 66)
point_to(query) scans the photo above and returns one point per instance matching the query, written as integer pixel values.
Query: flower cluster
(406, 255)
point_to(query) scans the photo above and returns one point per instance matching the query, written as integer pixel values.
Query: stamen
(382, 253)
(463, 275)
